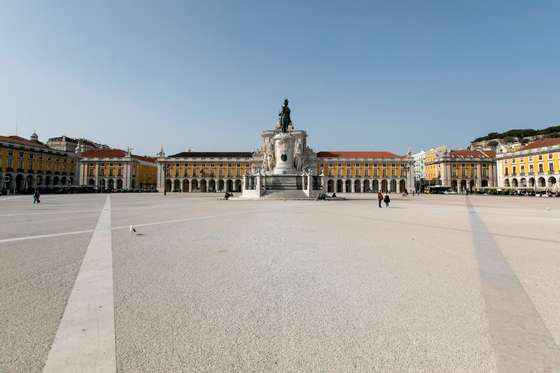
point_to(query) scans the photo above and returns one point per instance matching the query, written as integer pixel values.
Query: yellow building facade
(29, 164)
(460, 170)
(204, 171)
(116, 170)
(535, 166)
(364, 171)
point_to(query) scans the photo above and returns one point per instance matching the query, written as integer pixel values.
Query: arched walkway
(91, 182)
(514, 183)
(402, 186)
(212, 186)
(221, 185)
(168, 185)
(119, 184)
(484, 183)
(384, 186)
(375, 186)
(463, 185)
(531, 182)
(229, 185)
(330, 186)
(176, 185)
(203, 186)
(7, 181)
(185, 185)
(454, 185)
(393, 186)
(541, 182)
(357, 186)
(366, 186)
(523, 183)
(111, 185)
(20, 183)
(29, 183)
(506, 183)
(238, 185)
(195, 187)
(348, 185)
(471, 185)
(339, 186)
(551, 181)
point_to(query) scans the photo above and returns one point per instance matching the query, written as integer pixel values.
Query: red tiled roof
(463, 153)
(145, 158)
(104, 153)
(22, 141)
(357, 154)
(542, 143)
(113, 153)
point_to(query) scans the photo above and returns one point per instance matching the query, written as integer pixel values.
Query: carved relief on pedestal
(298, 154)
(268, 154)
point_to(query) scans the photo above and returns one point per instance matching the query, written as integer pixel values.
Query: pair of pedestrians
(383, 198)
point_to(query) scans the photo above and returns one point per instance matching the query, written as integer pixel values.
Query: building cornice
(528, 152)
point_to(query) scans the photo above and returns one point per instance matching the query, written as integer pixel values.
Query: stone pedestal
(284, 144)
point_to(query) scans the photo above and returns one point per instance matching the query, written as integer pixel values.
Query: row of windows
(59, 164)
(531, 159)
(198, 164)
(367, 172)
(204, 172)
(531, 169)
(208, 169)
(472, 172)
(340, 164)
(111, 170)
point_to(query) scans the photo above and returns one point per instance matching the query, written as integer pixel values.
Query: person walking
(36, 196)
(387, 200)
(379, 198)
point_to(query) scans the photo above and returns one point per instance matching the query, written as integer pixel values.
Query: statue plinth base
(284, 144)
(283, 152)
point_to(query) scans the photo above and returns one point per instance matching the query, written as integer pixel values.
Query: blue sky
(210, 75)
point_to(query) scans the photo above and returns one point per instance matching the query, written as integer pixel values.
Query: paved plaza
(431, 284)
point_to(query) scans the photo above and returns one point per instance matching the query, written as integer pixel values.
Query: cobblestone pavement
(431, 284)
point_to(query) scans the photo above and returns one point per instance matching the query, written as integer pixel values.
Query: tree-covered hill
(553, 131)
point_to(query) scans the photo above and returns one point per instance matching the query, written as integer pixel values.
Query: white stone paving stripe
(174, 221)
(520, 339)
(24, 238)
(9, 198)
(51, 212)
(85, 340)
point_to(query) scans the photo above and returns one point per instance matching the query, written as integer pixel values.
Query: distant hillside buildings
(69, 144)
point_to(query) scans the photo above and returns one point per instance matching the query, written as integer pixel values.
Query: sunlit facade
(29, 164)
(535, 166)
(117, 170)
(460, 170)
(204, 171)
(366, 171)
